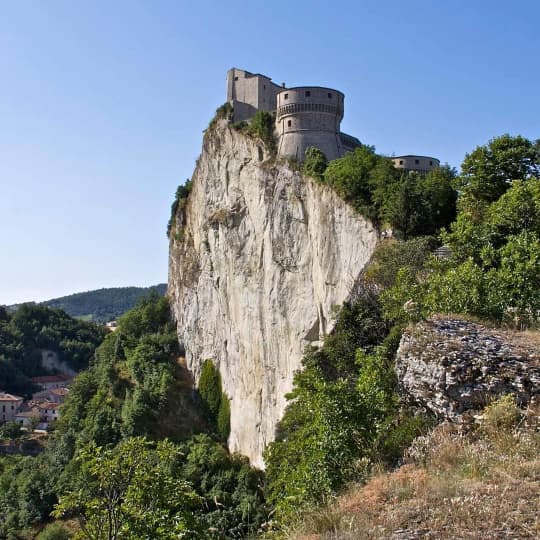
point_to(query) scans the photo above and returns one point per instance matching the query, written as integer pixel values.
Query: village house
(9, 406)
(48, 382)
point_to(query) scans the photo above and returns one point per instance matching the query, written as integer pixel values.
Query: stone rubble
(453, 367)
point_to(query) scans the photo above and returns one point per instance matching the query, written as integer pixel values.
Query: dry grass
(484, 485)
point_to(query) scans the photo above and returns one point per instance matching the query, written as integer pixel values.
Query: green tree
(488, 171)
(131, 491)
(224, 417)
(210, 388)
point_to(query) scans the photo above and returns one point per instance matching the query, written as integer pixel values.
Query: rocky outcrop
(260, 258)
(454, 367)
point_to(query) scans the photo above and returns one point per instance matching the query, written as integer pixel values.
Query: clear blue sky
(103, 103)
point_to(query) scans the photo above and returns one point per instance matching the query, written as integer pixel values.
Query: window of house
(329, 95)
(308, 93)
(289, 123)
(286, 96)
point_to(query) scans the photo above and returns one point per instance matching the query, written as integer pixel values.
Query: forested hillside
(103, 305)
(33, 328)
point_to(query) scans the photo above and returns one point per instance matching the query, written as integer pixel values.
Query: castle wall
(309, 116)
(421, 164)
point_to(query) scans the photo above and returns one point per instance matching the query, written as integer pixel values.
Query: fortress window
(236, 78)
(329, 95)
(289, 123)
(431, 162)
(417, 161)
(286, 96)
(308, 93)
(401, 162)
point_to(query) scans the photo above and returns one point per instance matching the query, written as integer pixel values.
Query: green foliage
(488, 172)
(214, 401)
(412, 204)
(54, 531)
(210, 388)
(224, 418)
(232, 492)
(132, 492)
(352, 177)
(315, 163)
(10, 431)
(223, 112)
(495, 245)
(339, 401)
(33, 328)
(390, 256)
(262, 127)
(416, 204)
(179, 203)
(26, 493)
(103, 305)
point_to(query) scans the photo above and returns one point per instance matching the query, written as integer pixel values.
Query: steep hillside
(260, 257)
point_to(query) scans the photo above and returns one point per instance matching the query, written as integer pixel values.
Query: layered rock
(454, 367)
(260, 258)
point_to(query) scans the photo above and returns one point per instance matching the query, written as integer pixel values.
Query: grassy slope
(481, 485)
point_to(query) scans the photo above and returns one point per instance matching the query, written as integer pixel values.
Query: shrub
(501, 416)
(210, 388)
(224, 417)
(54, 531)
(315, 163)
(262, 126)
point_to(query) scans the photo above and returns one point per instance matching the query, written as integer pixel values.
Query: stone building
(305, 115)
(9, 406)
(309, 116)
(420, 164)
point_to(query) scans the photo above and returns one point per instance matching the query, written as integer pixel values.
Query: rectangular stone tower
(250, 92)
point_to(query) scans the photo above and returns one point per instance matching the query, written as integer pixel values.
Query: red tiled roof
(9, 397)
(48, 405)
(60, 391)
(51, 378)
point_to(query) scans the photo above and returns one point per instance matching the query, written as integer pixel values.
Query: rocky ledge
(454, 367)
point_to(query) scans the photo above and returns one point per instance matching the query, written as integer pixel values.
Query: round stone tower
(309, 116)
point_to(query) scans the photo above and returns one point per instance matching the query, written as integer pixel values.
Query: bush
(210, 388)
(262, 126)
(501, 417)
(54, 531)
(315, 163)
(224, 417)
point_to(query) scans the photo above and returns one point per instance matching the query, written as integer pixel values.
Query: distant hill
(103, 305)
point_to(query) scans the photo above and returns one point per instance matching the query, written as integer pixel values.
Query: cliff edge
(259, 259)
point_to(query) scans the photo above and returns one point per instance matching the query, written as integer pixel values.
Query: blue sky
(103, 104)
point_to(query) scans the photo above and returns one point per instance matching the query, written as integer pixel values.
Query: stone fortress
(305, 116)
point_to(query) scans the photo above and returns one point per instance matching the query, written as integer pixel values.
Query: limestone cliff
(260, 257)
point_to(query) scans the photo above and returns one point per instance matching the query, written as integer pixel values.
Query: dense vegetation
(344, 413)
(412, 204)
(32, 328)
(103, 305)
(128, 427)
(494, 270)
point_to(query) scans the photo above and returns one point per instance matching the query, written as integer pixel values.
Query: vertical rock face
(260, 257)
